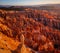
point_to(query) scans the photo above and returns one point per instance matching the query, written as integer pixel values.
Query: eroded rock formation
(40, 30)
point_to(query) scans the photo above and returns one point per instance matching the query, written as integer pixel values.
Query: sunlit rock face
(40, 29)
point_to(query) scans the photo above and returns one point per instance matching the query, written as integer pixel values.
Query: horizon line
(29, 5)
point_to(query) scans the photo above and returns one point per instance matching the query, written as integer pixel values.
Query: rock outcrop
(40, 29)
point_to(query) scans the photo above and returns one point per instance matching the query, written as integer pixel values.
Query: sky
(28, 2)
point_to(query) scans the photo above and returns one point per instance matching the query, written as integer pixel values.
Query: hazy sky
(28, 2)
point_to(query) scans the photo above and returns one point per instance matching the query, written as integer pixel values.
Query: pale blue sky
(28, 2)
